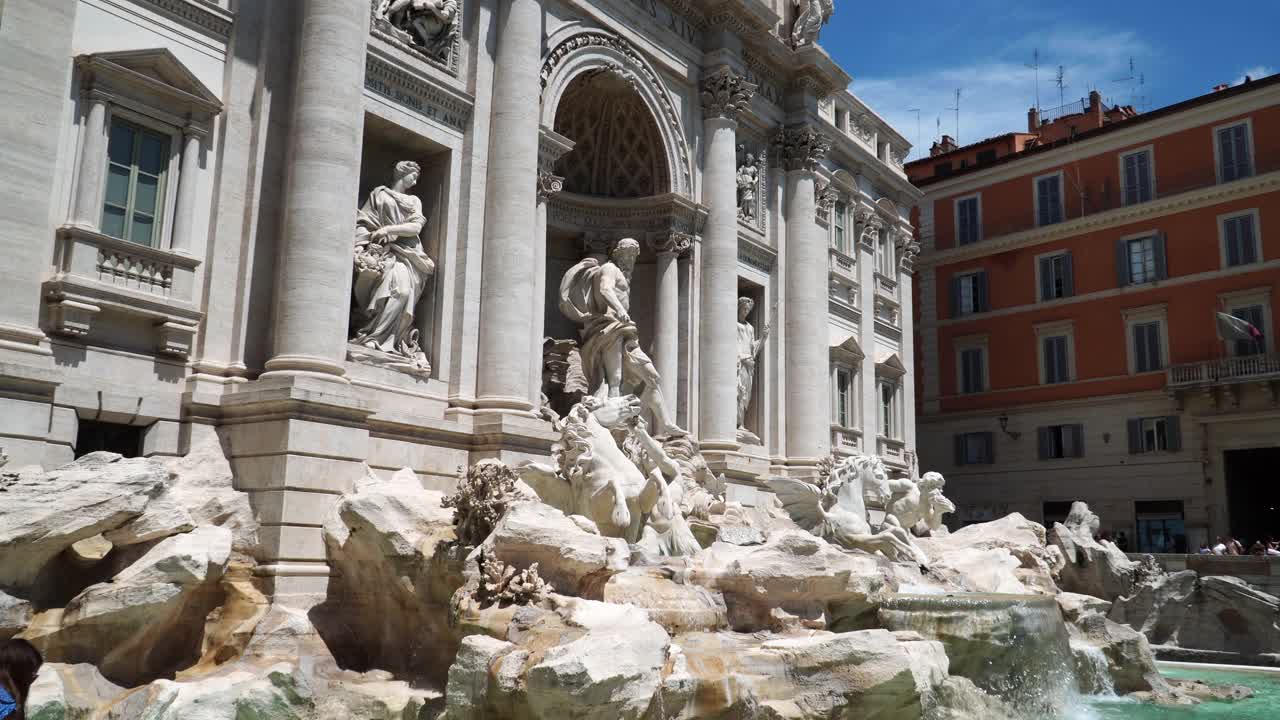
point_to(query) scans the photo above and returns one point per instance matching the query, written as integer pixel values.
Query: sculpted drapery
(391, 268)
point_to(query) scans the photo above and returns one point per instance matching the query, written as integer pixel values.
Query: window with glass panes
(1251, 314)
(1137, 177)
(1049, 200)
(884, 254)
(839, 215)
(1146, 347)
(1056, 277)
(1239, 238)
(968, 225)
(1233, 152)
(888, 409)
(1142, 260)
(844, 397)
(1155, 434)
(136, 164)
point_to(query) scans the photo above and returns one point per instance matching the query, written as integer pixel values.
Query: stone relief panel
(427, 28)
(390, 272)
(752, 176)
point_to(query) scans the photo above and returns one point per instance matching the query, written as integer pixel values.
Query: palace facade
(210, 226)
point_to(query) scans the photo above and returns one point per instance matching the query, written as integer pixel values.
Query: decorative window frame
(1151, 167)
(967, 272)
(972, 342)
(1217, 150)
(890, 371)
(1060, 328)
(1062, 196)
(96, 273)
(1141, 315)
(854, 414)
(955, 220)
(1234, 300)
(1040, 274)
(1222, 236)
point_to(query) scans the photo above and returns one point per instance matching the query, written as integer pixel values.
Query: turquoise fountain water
(1264, 705)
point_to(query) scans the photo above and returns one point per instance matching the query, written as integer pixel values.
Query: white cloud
(997, 91)
(1256, 72)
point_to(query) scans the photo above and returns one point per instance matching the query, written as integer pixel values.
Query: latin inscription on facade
(665, 17)
(416, 95)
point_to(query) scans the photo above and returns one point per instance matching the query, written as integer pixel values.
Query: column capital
(725, 93)
(548, 184)
(871, 224)
(676, 243)
(97, 95)
(191, 130)
(908, 248)
(801, 147)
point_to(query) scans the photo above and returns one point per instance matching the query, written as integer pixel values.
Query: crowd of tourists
(1233, 546)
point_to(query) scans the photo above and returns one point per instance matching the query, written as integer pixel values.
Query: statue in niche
(811, 15)
(597, 297)
(391, 271)
(748, 349)
(430, 25)
(748, 186)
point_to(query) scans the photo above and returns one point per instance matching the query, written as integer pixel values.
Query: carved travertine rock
(1093, 567)
(502, 584)
(483, 495)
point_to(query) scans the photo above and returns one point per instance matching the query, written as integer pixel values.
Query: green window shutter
(1077, 440)
(1122, 263)
(1135, 435)
(1173, 432)
(1162, 259)
(1043, 442)
(960, 455)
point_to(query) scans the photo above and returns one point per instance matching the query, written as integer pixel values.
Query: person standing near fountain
(19, 664)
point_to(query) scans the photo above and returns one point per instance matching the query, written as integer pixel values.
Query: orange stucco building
(1068, 343)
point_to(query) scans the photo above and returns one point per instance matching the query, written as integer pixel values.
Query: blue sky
(914, 55)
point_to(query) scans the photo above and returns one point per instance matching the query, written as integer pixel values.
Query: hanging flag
(1231, 327)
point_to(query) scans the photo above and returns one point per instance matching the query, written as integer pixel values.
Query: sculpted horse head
(869, 476)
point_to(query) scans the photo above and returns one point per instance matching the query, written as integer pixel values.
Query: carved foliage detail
(801, 148)
(724, 93)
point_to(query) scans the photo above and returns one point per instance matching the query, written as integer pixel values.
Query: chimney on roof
(1220, 87)
(1095, 100)
(1033, 120)
(940, 148)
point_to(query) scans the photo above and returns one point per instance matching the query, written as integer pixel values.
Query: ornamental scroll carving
(907, 246)
(676, 243)
(724, 93)
(801, 148)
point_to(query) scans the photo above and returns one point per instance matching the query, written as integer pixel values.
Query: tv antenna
(917, 112)
(957, 109)
(1137, 84)
(1060, 81)
(1035, 65)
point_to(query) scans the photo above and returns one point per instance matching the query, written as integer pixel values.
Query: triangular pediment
(156, 70)
(848, 349)
(891, 366)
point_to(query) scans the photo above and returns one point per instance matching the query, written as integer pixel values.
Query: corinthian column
(551, 147)
(666, 318)
(723, 94)
(313, 285)
(506, 283)
(807, 367)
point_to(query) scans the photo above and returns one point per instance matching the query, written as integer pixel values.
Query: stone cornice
(724, 93)
(1181, 202)
(210, 20)
(801, 147)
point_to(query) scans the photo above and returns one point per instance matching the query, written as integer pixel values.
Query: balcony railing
(1244, 368)
(843, 266)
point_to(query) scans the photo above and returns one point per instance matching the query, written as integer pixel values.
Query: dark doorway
(1253, 493)
(1056, 511)
(94, 436)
